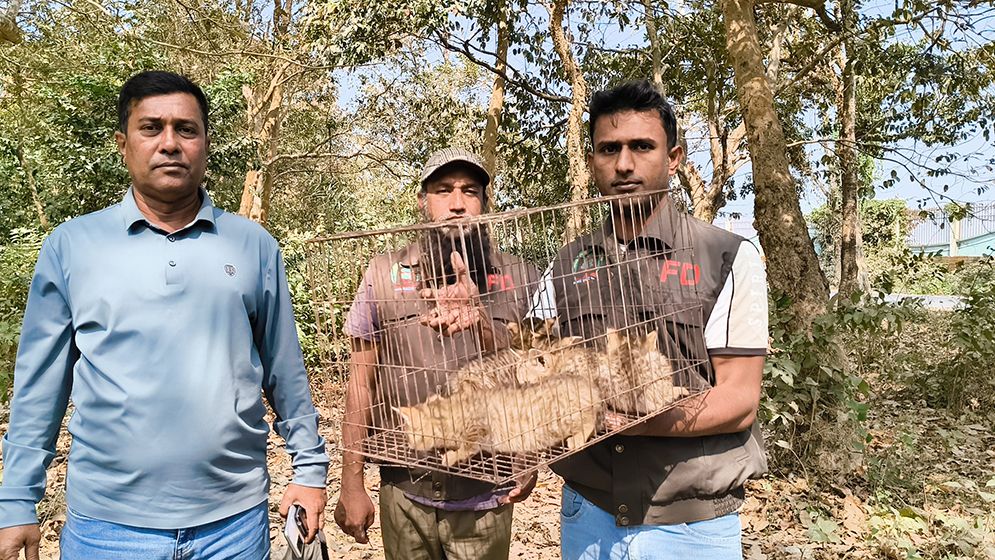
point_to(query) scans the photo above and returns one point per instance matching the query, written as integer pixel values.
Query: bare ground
(925, 489)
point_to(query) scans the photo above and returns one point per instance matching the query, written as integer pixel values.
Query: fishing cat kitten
(506, 420)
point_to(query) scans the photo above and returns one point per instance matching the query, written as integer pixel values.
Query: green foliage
(884, 227)
(885, 222)
(892, 267)
(58, 106)
(353, 33)
(294, 249)
(819, 380)
(17, 262)
(896, 269)
(966, 377)
(935, 95)
(230, 147)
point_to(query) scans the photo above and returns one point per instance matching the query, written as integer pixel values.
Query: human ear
(121, 139)
(676, 157)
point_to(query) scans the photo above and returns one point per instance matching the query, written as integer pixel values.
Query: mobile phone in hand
(296, 529)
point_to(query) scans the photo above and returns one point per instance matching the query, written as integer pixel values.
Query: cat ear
(548, 326)
(536, 357)
(514, 329)
(614, 340)
(650, 344)
(404, 412)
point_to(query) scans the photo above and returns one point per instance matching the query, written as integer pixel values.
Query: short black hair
(637, 95)
(149, 84)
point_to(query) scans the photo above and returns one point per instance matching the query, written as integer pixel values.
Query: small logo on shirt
(586, 263)
(403, 278)
(230, 269)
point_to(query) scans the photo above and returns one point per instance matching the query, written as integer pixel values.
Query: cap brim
(428, 173)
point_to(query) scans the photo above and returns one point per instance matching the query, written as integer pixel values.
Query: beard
(472, 242)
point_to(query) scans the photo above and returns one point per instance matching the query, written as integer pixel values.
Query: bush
(293, 247)
(17, 262)
(816, 385)
(941, 357)
(966, 377)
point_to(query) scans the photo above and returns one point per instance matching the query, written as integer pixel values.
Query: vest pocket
(720, 464)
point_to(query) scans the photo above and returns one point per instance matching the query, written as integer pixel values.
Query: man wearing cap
(420, 313)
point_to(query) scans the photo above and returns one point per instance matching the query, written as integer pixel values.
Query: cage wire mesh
(531, 372)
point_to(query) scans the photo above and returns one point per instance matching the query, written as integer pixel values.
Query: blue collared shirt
(165, 343)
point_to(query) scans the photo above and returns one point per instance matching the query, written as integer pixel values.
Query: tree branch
(818, 5)
(230, 53)
(465, 51)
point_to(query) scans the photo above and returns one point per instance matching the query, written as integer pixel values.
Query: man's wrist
(14, 513)
(353, 475)
(353, 484)
(313, 476)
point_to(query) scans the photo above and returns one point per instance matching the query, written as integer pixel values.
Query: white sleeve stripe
(544, 299)
(732, 298)
(741, 305)
(717, 333)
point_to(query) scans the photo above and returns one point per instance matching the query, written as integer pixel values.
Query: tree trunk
(792, 266)
(29, 173)
(852, 277)
(26, 166)
(706, 198)
(266, 116)
(496, 104)
(691, 182)
(687, 172)
(725, 151)
(655, 55)
(266, 113)
(580, 178)
(9, 32)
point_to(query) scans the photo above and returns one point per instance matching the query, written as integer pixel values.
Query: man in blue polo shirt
(164, 320)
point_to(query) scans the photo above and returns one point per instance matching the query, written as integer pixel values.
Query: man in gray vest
(668, 487)
(405, 345)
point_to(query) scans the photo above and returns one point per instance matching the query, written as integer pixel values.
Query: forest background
(879, 416)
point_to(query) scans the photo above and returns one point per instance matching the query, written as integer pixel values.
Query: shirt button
(619, 448)
(171, 237)
(623, 520)
(438, 495)
(172, 263)
(623, 508)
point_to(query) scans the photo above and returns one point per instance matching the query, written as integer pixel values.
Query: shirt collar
(132, 215)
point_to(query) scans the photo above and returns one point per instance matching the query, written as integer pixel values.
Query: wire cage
(489, 347)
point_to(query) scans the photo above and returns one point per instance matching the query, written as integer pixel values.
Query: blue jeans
(589, 533)
(243, 536)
